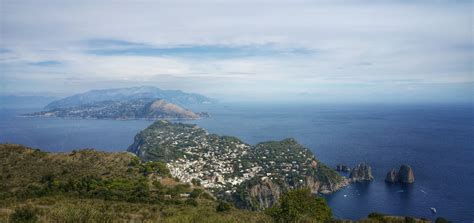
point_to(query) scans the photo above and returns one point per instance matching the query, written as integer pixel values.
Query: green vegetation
(24, 214)
(223, 206)
(196, 182)
(376, 216)
(441, 220)
(300, 206)
(92, 186)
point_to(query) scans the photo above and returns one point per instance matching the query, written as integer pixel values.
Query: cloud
(251, 49)
(105, 47)
(46, 63)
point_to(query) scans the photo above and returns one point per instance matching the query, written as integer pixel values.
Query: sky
(315, 51)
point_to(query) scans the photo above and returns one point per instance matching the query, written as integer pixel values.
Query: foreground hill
(123, 94)
(91, 186)
(130, 109)
(252, 177)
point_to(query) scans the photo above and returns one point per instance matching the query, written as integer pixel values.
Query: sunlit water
(436, 140)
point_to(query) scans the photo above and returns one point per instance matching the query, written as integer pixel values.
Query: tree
(300, 205)
(223, 206)
(196, 182)
(24, 215)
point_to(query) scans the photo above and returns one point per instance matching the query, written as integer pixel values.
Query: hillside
(253, 177)
(92, 186)
(123, 94)
(130, 109)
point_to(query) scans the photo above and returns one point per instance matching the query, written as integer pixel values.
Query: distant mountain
(129, 109)
(14, 101)
(121, 94)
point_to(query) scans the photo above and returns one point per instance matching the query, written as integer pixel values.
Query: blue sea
(436, 140)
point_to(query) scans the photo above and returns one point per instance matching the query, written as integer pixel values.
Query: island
(250, 176)
(142, 108)
(124, 94)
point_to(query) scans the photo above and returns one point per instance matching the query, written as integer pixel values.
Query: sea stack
(392, 176)
(404, 175)
(342, 168)
(361, 172)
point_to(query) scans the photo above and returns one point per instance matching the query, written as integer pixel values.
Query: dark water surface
(436, 140)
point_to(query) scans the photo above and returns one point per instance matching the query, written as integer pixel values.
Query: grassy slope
(22, 169)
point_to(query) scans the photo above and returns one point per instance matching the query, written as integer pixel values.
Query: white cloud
(360, 44)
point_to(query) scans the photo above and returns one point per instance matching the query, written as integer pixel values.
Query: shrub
(196, 192)
(223, 206)
(376, 216)
(300, 205)
(409, 219)
(191, 202)
(196, 182)
(134, 161)
(207, 196)
(155, 167)
(441, 220)
(24, 214)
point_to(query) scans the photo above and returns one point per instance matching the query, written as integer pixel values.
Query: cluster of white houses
(214, 167)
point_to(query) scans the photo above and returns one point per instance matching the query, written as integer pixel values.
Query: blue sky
(316, 51)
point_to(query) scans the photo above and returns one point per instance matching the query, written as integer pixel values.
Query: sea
(437, 140)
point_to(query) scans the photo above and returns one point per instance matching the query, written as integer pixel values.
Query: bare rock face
(404, 175)
(316, 186)
(362, 172)
(392, 176)
(266, 193)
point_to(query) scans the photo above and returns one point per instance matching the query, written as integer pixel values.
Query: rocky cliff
(392, 176)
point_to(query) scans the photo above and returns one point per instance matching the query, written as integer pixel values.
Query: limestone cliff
(404, 175)
(362, 172)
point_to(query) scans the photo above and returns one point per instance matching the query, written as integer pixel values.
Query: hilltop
(252, 177)
(129, 109)
(123, 94)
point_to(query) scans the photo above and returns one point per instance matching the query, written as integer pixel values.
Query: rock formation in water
(392, 176)
(404, 175)
(342, 168)
(362, 172)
